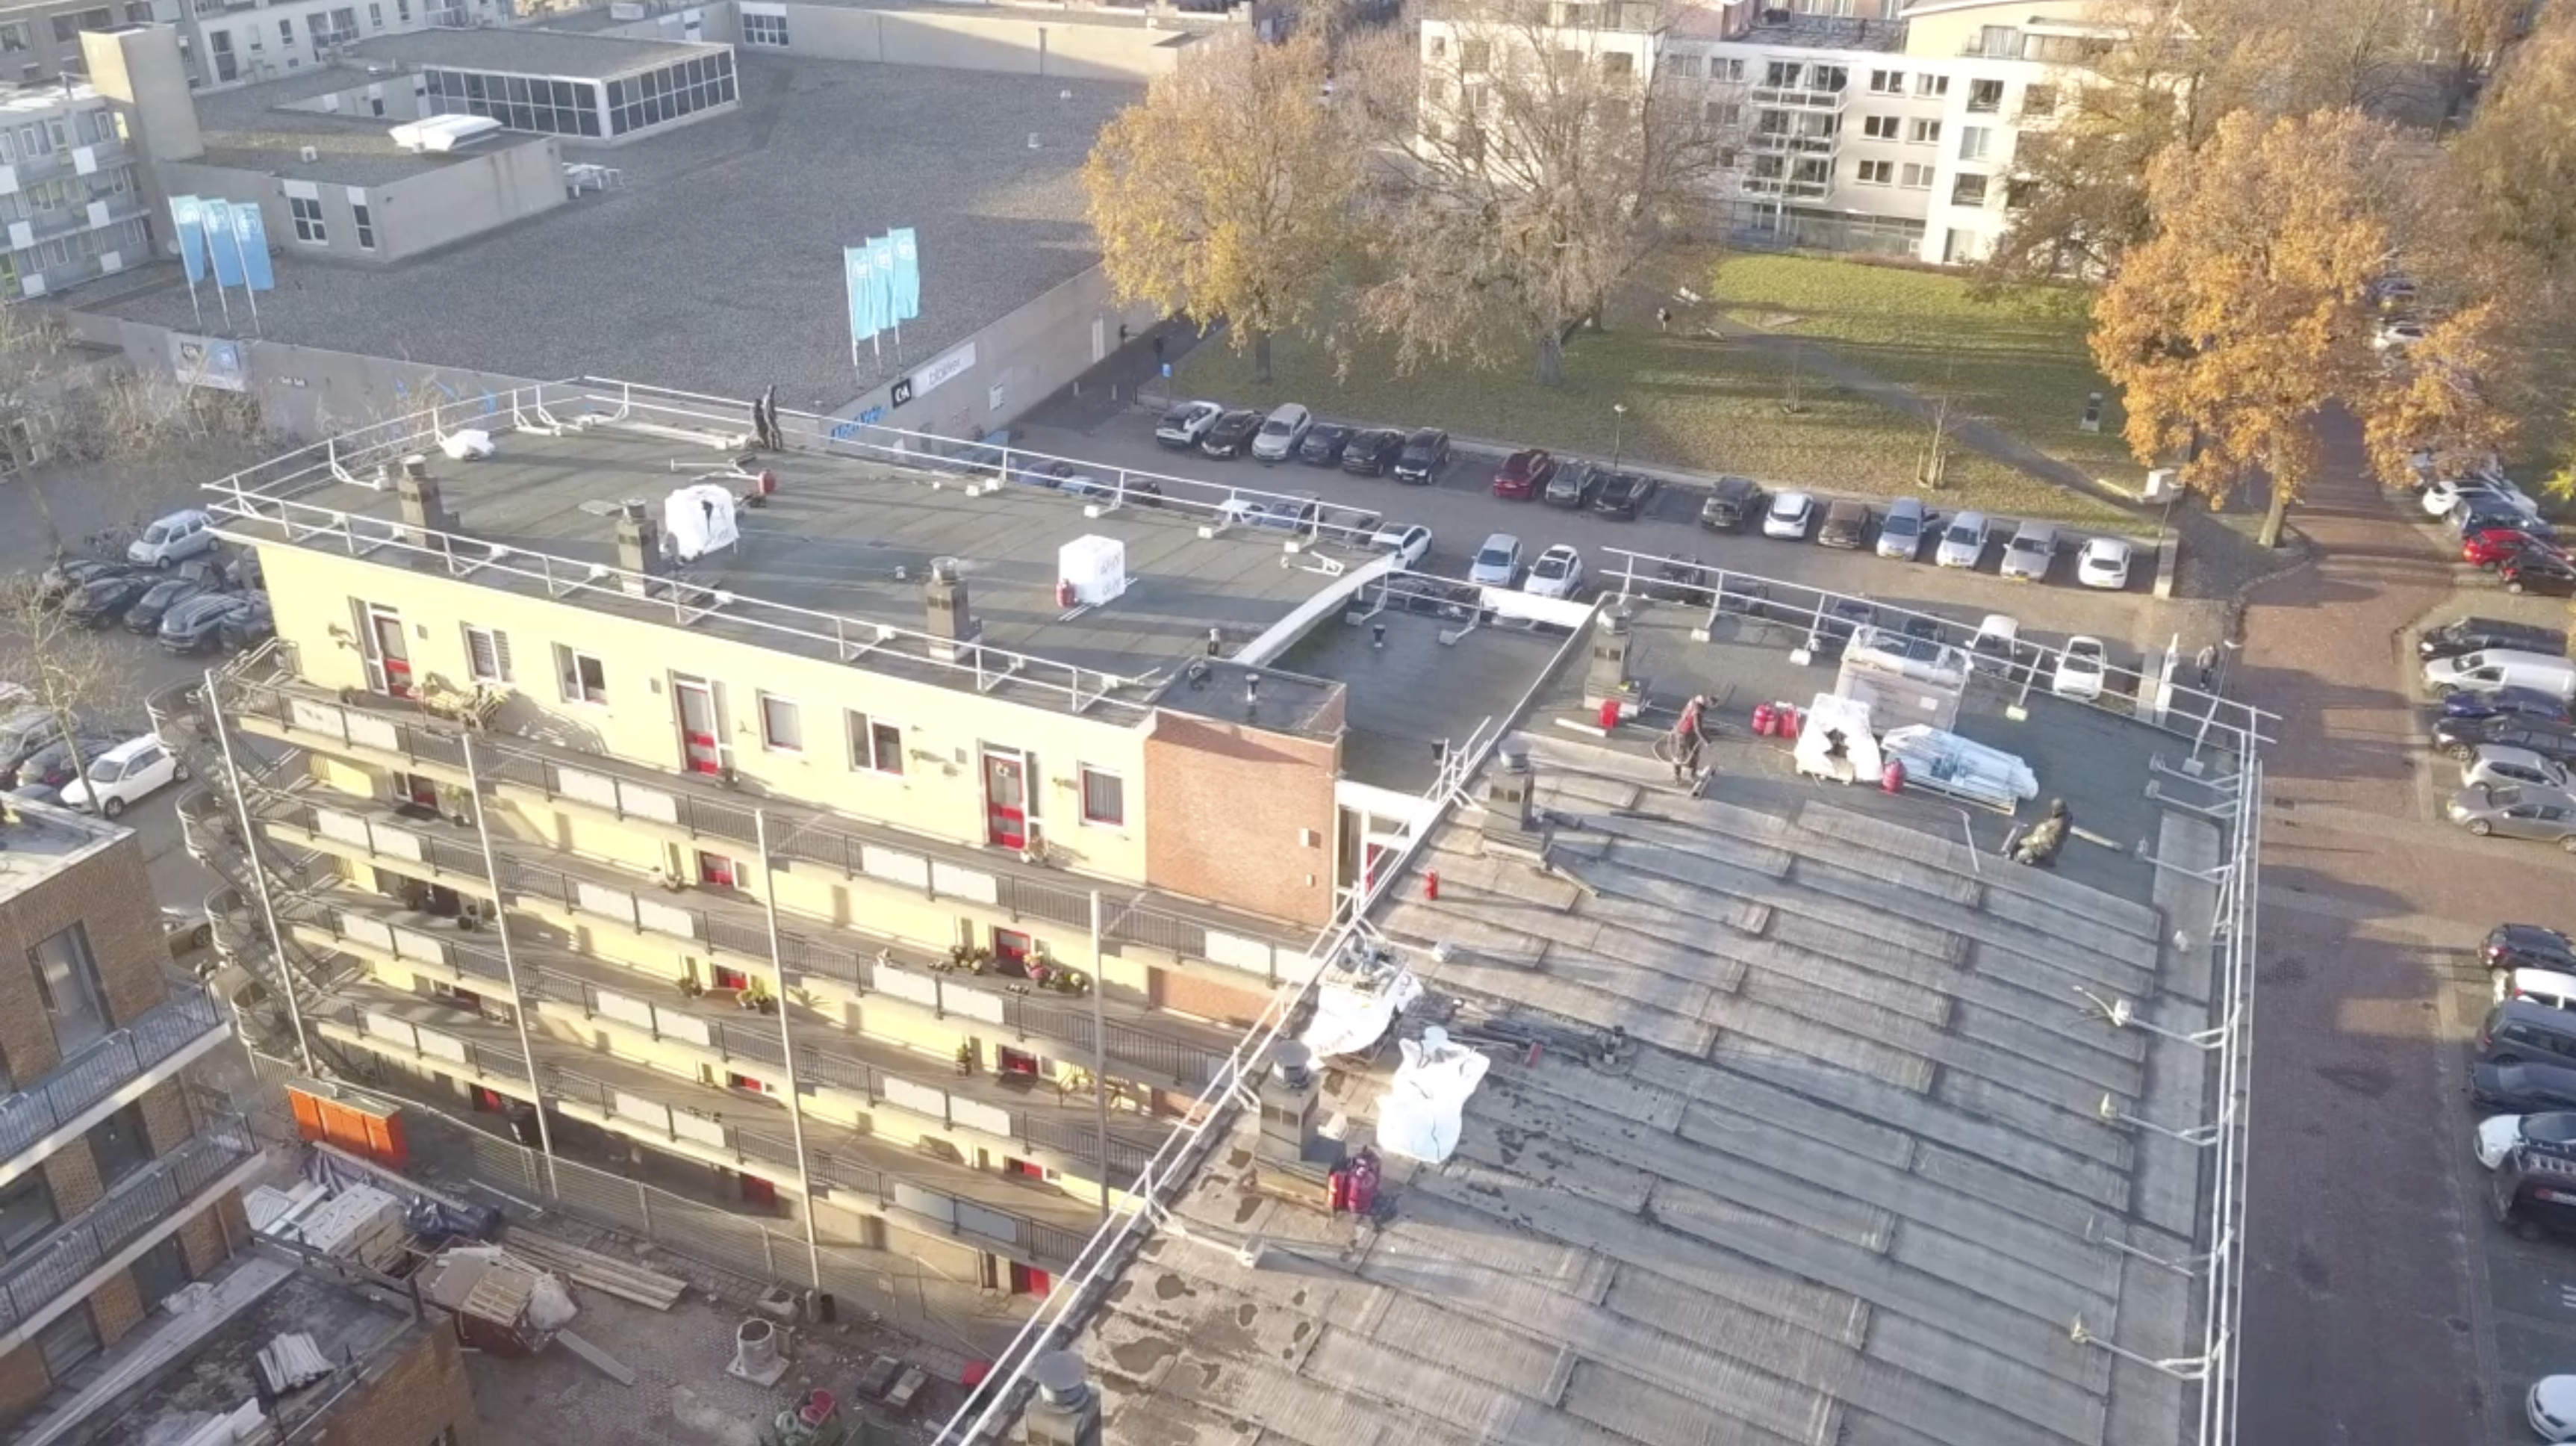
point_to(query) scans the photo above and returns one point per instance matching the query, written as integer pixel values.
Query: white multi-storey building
(1858, 132)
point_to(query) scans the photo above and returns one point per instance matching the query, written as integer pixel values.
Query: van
(2540, 986)
(2524, 1029)
(2489, 669)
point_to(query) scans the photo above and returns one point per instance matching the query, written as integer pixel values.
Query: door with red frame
(700, 750)
(393, 660)
(1006, 800)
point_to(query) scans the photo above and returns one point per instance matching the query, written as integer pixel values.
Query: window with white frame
(1969, 189)
(1914, 178)
(1975, 141)
(876, 746)
(782, 724)
(1877, 173)
(584, 678)
(308, 220)
(1887, 82)
(1685, 67)
(1931, 85)
(764, 30)
(1925, 133)
(1726, 67)
(487, 654)
(1880, 127)
(1104, 798)
(366, 220)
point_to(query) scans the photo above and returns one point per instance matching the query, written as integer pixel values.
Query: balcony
(1787, 188)
(86, 1085)
(40, 1274)
(1785, 143)
(1800, 98)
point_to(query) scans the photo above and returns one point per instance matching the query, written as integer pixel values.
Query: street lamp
(1618, 432)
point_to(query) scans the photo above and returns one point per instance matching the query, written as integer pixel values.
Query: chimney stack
(639, 547)
(1511, 798)
(1065, 1410)
(1612, 642)
(418, 492)
(952, 627)
(1290, 1133)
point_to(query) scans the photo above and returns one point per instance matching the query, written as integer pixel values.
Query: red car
(2490, 548)
(1524, 475)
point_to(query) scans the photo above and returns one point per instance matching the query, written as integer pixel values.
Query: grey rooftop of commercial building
(529, 50)
(39, 841)
(716, 265)
(268, 126)
(1853, 1187)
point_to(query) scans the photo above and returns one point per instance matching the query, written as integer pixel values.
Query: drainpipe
(509, 959)
(1099, 1055)
(258, 875)
(787, 1041)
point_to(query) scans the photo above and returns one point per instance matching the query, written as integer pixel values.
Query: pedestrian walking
(1664, 318)
(2208, 667)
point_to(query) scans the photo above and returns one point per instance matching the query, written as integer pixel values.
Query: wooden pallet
(621, 1278)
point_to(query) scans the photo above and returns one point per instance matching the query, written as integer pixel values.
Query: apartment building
(40, 42)
(72, 193)
(241, 42)
(895, 866)
(116, 1189)
(1889, 133)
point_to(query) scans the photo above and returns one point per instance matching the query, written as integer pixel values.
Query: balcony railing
(99, 1068)
(1799, 98)
(487, 1061)
(1779, 142)
(37, 1275)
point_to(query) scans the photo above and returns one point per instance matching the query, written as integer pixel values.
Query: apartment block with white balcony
(241, 42)
(72, 199)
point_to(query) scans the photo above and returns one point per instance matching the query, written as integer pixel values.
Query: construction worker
(1687, 740)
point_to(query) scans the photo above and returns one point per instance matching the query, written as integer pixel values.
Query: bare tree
(69, 670)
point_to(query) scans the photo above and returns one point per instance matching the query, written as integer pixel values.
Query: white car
(2496, 766)
(1185, 424)
(2552, 1408)
(1792, 516)
(1963, 542)
(1498, 562)
(1411, 544)
(2442, 496)
(130, 771)
(1280, 434)
(2104, 563)
(175, 538)
(1557, 573)
(2497, 1135)
(2396, 335)
(2080, 669)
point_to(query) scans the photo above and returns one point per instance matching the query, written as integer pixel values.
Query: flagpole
(252, 294)
(226, 303)
(195, 305)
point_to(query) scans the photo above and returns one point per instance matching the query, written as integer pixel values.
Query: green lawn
(1693, 403)
(2021, 365)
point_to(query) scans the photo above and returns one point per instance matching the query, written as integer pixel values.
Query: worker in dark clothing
(2039, 845)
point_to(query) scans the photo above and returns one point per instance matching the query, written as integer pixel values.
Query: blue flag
(907, 274)
(881, 259)
(188, 216)
(860, 267)
(223, 244)
(251, 232)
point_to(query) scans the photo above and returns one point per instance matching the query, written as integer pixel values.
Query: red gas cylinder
(1891, 779)
(1609, 714)
(1063, 593)
(1431, 884)
(1766, 720)
(1788, 723)
(1361, 1193)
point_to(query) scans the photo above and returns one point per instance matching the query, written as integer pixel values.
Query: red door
(1006, 801)
(1028, 1281)
(698, 727)
(390, 654)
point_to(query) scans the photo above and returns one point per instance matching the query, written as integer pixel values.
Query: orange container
(362, 1124)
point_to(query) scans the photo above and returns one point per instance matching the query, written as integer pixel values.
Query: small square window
(1879, 127)
(487, 655)
(1104, 798)
(782, 724)
(1877, 173)
(584, 678)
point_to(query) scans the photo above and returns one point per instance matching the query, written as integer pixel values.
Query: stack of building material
(361, 1223)
(291, 1361)
(623, 1279)
(274, 1212)
(503, 1305)
(245, 1425)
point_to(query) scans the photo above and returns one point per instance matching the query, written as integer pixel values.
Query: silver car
(2517, 812)
(1278, 439)
(2497, 766)
(1901, 531)
(1963, 542)
(2032, 549)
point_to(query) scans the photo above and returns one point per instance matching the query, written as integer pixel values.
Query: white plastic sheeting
(1948, 763)
(1814, 755)
(1426, 1103)
(470, 445)
(698, 519)
(1354, 1008)
(1095, 568)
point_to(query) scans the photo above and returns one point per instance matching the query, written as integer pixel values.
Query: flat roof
(1852, 1185)
(266, 128)
(855, 539)
(715, 265)
(43, 841)
(528, 50)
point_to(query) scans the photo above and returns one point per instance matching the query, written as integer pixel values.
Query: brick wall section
(72, 1174)
(117, 1306)
(1195, 994)
(23, 1383)
(167, 1120)
(201, 1240)
(1223, 807)
(110, 895)
(410, 1398)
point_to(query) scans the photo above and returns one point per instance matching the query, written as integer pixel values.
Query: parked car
(2081, 668)
(2396, 335)
(1524, 475)
(1791, 516)
(254, 623)
(1557, 573)
(2500, 1135)
(2498, 765)
(2541, 571)
(2032, 549)
(195, 625)
(124, 775)
(1186, 425)
(2493, 668)
(1282, 433)
(1498, 562)
(1624, 495)
(1370, 453)
(2445, 494)
(64, 578)
(1901, 531)
(1963, 542)
(2542, 814)
(1998, 649)
(25, 730)
(1846, 526)
(1679, 580)
(1572, 485)
(1231, 433)
(1731, 504)
(2473, 634)
(173, 539)
(2520, 1029)
(2523, 1089)
(2461, 738)
(144, 616)
(1284, 514)
(2541, 986)
(1424, 454)
(102, 600)
(1409, 543)
(1746, 597)
(2527, 946)
(185, 930)
(2528, 703)
(1841, 621)
(2103, 562)
(59, 762)
(2533, 1194)
(1324, 443)
(2479, 511)
(2489, 547)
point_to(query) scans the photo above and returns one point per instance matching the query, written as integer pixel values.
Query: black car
(1623, 495)
(1231, 434)
(1324, 443)
(102, 600)
(2528, 946)
(144, 616)
(1680, 581)
(2461, 737)
(1743, 596)
(2548, 573)
(1733, 502)
(1922, 627)
(254, 623)
(1842, 617)
(197, 624)
(2522, 1089)
(1573, 486)
(1424, 454)
(2468, 635)
(1846, 526)
(64, 578)
(1371, 453)
(2530, 703)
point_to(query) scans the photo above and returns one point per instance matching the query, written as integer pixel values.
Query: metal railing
(426, 1042)
(40, 1273)
(97, 1069)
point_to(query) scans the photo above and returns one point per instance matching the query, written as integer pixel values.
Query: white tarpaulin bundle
(1352, 1012)
(1948, 763)
(698, 519)
(1426, 1103)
